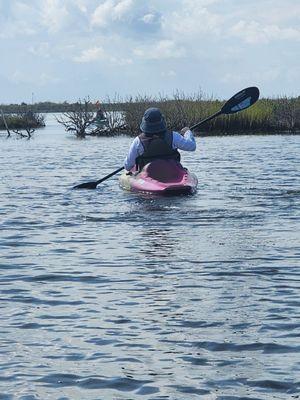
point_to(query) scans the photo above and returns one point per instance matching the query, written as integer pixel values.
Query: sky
(65, 50)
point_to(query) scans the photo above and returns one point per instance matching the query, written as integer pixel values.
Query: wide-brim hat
(153, 121)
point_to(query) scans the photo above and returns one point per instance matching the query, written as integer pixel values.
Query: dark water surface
(108, 295)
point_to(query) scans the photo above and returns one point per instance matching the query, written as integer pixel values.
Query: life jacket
(99, 114)
(157, 146)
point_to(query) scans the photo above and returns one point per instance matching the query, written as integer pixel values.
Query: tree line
(267, 116)
(52, 107)
(123, 116)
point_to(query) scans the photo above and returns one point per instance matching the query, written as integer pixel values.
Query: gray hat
(153, 122)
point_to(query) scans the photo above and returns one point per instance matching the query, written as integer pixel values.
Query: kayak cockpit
(160, 176)
(164, 171)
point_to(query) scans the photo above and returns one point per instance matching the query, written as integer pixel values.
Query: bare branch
(79, 119)
(5, 123)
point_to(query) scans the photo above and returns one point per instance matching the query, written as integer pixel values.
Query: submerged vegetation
(267, 116)
(82, 121)
(23, 124)
(123, 115)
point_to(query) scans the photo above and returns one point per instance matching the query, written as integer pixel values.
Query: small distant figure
(29, 115)
(99, 113)
(157, 142)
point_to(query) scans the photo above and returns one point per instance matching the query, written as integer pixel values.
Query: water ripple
(106, 294)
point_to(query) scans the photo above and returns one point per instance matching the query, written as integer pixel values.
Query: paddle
(240, 101)
(94, 184)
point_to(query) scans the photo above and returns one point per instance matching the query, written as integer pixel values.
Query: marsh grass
(23, 120)
(23, 124)
(266, 116)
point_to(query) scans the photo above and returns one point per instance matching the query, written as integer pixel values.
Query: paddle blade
(242, 100)
(93, 185)
(86, 185)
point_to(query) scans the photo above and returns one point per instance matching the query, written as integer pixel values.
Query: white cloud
(109, 11)
(254, 32)
(82, 5)
(92, 54)
(161, 50)
(99, 54)
(121, 8)
(148, 18)
(207, 39)
(54, 15)
(269, 12)
(102, 14)
(194, 19)
(17, 22)
(255, 23)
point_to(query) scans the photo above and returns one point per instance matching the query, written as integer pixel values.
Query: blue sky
(68, 49)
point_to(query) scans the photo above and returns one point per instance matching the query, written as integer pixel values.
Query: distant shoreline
(196, 134)
(268, 116)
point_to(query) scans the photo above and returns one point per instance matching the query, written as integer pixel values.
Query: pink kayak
(164, 177)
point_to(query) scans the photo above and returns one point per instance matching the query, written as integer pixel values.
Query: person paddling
(156, 142)
(240, 101)
(99, 113)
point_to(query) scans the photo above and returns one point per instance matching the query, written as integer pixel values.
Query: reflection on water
(105, 294)
(158, 243)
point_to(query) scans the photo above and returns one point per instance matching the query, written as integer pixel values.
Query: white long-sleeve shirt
(186, 142)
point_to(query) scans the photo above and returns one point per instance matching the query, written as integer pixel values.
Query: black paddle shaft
(205, 120)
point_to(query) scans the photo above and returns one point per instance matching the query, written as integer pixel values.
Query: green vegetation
(22, 124)
(266, 116)
(46, 107)
(22, 121)
(278, 115)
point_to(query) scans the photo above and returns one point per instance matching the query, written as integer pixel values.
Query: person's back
(156, 142)
(156, 146)
(100, 114)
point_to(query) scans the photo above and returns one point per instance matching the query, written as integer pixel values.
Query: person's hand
(185, 129)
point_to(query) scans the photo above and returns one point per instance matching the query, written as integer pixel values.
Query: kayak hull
(161, 177)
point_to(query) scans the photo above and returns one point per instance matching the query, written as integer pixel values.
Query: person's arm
(133, 153)
(186, 142)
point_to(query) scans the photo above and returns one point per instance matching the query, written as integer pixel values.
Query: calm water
(108, 295)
